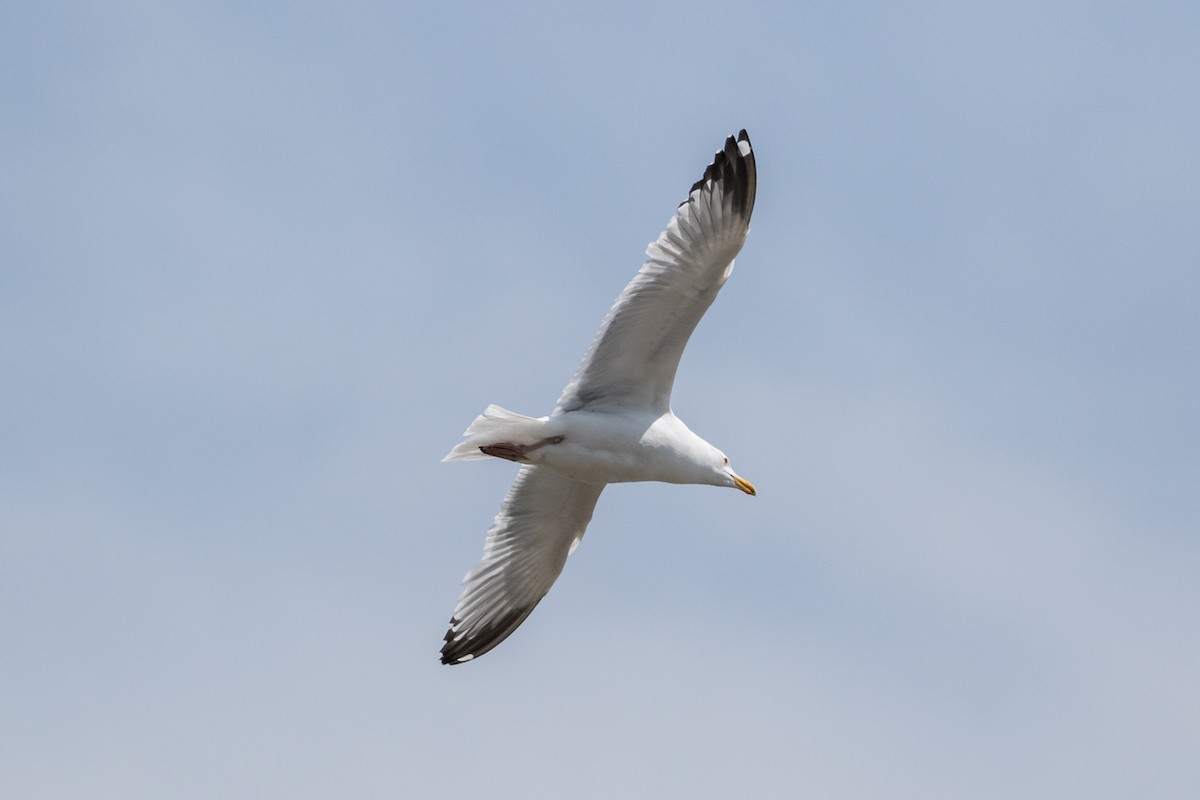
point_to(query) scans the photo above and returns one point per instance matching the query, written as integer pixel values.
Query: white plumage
(613, 422)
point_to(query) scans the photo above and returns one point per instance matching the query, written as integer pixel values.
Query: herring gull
(613, 422)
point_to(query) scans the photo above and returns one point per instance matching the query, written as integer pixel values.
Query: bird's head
(730, 478)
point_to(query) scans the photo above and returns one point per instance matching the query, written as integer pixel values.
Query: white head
(727, 477)
(683, 457)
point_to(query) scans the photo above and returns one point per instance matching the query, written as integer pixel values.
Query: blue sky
(262, 263)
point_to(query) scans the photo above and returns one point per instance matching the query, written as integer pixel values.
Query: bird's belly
(595, 450)
(592, 466)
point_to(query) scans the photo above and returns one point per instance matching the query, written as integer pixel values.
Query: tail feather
(496, 425)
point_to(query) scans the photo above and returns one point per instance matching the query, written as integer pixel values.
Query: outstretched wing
(540, 523)
(632, 362)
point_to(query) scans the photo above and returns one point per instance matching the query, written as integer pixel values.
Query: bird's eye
(727, 461)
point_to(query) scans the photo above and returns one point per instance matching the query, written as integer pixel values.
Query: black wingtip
(733, 166)
(468, 648)
(449, 654)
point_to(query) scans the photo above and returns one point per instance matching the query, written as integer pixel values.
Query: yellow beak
(745, 485)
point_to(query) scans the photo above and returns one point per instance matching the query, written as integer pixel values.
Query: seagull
(613, 422)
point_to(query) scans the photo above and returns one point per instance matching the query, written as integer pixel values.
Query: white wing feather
(542, 520)
(632, 361)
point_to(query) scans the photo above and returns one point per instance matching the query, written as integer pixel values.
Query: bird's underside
(627, 372)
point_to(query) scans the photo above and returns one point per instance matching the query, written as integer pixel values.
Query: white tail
(496, 425)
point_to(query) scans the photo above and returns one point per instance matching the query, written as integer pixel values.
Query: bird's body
(613, 423)
(599, 447)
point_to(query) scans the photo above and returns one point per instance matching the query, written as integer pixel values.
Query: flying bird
(613, 422)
